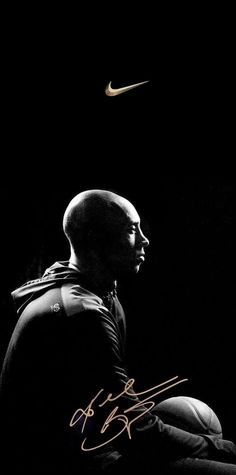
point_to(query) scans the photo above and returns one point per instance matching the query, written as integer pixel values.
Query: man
(67, 402)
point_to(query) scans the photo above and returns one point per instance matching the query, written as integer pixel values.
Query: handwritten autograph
(122, 417)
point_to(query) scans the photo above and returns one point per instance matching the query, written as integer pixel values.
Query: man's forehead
(129, 212)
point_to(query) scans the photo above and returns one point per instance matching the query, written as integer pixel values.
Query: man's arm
(106, 371)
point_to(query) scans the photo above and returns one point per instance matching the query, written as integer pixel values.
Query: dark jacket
(66, 350)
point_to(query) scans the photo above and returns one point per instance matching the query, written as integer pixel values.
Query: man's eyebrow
(133, 223)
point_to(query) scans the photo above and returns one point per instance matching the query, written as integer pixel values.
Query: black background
(63, 135)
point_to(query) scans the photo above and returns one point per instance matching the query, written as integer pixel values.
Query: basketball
(189, 414)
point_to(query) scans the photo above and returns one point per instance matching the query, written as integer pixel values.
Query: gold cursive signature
(122, 417)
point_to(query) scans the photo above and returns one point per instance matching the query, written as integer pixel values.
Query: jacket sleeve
(119, 415)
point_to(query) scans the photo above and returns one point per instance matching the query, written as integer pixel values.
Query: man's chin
(134, 269)
(137, 268)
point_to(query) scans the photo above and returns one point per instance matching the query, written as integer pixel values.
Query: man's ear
(94, 239)
(100, 240)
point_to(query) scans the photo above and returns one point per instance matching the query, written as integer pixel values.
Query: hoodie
(65, 390)
(56, 361)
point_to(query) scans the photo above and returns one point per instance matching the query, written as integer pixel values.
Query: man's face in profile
(127, 249)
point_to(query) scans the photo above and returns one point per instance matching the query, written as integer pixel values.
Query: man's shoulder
(51, 307)
(77, 299)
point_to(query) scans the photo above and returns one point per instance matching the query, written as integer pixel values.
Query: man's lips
(140, 258)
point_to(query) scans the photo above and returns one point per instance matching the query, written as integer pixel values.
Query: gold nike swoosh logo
(109, 91)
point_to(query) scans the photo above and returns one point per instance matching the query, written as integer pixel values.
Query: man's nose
(144, 240)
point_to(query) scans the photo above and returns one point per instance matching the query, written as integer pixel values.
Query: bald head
(94, 217)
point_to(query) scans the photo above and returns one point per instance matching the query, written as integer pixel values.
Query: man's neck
(95, 274)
